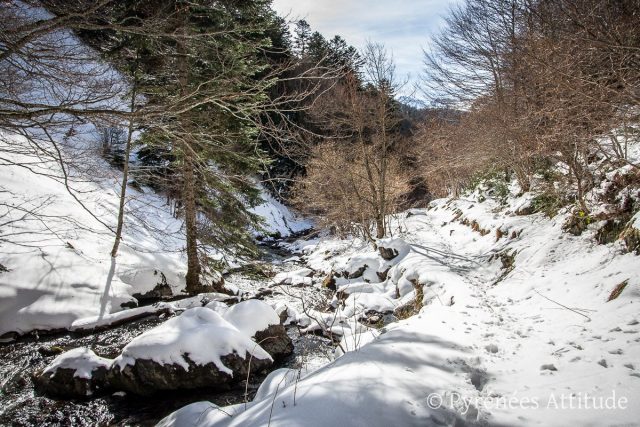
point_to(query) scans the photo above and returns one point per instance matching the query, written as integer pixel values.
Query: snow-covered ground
(56, 268)
(279, 220)
(516, 330)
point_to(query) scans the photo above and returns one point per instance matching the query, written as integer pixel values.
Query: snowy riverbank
(516, 329)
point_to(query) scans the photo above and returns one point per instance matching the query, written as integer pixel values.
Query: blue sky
(404, 26)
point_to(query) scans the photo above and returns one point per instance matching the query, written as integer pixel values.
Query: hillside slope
(54, 258)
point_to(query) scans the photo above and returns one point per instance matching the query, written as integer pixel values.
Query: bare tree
(354, 178)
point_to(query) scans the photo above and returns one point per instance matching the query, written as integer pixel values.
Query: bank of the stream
(21, 406)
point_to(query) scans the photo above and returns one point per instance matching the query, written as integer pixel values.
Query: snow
(251, 316)
(58, 257)
(354, 341)
(200, 333)
(199, 413)
(82, 360)
(279, 219)
(482, 348)
(217, 306)
(362, 302)
(277, 380)
(109, 319)
(295, 277)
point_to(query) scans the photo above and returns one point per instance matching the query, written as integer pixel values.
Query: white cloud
(404, 26)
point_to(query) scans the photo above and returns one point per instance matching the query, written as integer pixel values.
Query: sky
(403, 26)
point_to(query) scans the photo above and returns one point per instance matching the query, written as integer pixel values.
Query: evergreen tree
(302, 37)
(204, 75)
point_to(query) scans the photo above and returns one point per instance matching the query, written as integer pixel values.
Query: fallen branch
(563, 306)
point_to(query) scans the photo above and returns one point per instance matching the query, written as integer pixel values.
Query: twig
(564, 306)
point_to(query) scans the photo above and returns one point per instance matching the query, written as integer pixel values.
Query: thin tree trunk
(190, 218)
(125, 175)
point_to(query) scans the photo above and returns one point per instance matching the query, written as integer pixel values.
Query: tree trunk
(190, 219)
(188, 173)
(125, 176)
(380, 226)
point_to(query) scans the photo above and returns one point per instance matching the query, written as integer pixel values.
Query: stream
(21, 406)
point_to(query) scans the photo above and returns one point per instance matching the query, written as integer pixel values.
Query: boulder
(388, 253)
(631, 235)
(78, 373)
(260, 321)
(147, 377)
(390, 249)
(198, 349)
(275, 341)
(357, 273)
(160, 291)
(329, 282)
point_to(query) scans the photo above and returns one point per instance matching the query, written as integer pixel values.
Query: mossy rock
(631, 238)
(610, 231)
(577, 223)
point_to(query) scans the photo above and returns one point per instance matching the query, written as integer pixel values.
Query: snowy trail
(492, 345)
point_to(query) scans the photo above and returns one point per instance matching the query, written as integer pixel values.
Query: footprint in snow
(603, 363)
(548, 367)
(491, 348)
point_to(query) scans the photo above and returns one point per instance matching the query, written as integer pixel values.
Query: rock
(577, 223)
(390, 249)
(631, 238)
(491, 348)
(127, 305)
(262, 293)
(388, 253)
(358, 273)
(162, 290)
(198, 349)
(147, 377)
(275, 341)
(329, 282)
(251, 316)
(78, 373)
(9, 336)
(283, 313)
(261, 322)
(382, 275)
(50, 351)
(527, 209)
(375, 318)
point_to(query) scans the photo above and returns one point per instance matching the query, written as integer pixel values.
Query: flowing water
(21, 406)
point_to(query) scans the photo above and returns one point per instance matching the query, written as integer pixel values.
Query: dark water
(20, 406)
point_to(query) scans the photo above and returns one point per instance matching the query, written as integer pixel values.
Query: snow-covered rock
(393, 248)
(77, 373)
(260, 321)
(252, 316)
(294, 278)
(196, 349)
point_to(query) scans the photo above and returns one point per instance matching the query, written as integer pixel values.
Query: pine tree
(204, 75)
(302, 37)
